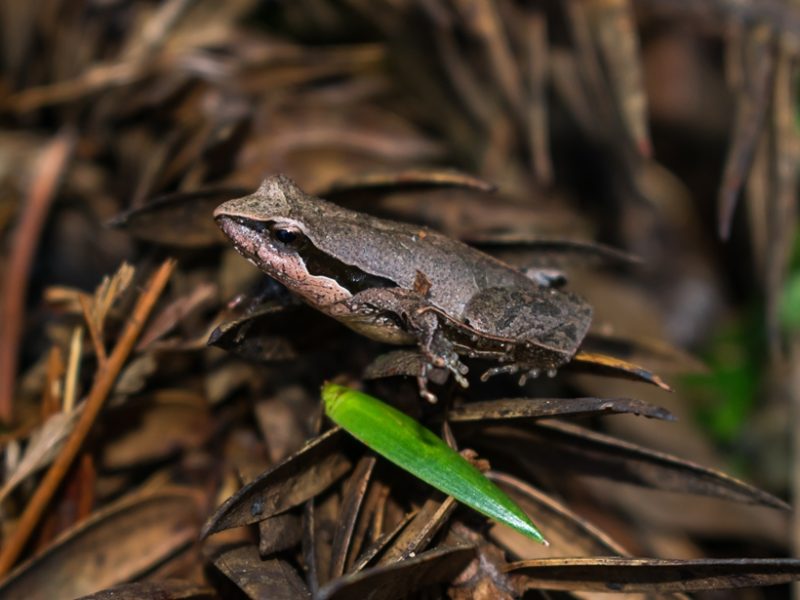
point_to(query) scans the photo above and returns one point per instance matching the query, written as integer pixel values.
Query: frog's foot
(430, 366)
(509, 369)
(448, 359)
(422, 383)
(534, 374)
(531, 373)
(438, 350)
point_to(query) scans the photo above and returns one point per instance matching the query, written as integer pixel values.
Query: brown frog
(403, 284)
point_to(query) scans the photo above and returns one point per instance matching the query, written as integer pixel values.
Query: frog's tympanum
(403, 284)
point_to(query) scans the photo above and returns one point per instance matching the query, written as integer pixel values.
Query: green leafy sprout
(417, 450)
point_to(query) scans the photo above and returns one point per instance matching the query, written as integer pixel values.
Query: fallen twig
(46, 176)
(103, 383)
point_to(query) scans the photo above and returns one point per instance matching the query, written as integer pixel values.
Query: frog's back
(399, 251)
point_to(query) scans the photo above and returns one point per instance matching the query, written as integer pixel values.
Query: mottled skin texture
(400, 283)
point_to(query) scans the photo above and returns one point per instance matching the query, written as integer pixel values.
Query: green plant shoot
(403, 441)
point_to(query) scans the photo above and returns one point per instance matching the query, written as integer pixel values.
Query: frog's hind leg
(437, 348)
(423, 323)
(422, 384)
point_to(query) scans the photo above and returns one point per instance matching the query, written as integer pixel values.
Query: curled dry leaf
(611, 366)
(667, 513)
(419, 532)
(279, 533)
(483, 579)
(243, 336)
(758, 70)
(151, 429)
(272, 578)
(614, 29)
(134, 376)
(108, 292)
(643, 349)
(537, 251)
(320, 518)
(380, 544)
(533, 28)
(182, 219)
(172, 314)
(565, 448)
(106, 549)
(463, 214)
(280, 423)
(275, 332)
(387, 182)
(568, 533)
(315, 467)
(168, 589)
(43, 445)
(399, 579)
(352, 498)
(651, 575)
(543, 408)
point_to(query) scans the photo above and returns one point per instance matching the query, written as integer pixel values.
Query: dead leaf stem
(103, 383)
(46, 176)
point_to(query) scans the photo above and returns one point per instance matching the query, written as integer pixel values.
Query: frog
(404, 284)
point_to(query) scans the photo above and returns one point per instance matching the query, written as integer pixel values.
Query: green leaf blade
(403, 441)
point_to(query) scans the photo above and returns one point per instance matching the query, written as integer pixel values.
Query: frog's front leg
(412, 313)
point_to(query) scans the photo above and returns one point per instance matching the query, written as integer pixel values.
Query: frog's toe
(422, 383)
(509, 369)
(460, 379)
(530, 374)
(451, 362)
(458, 369)
(426, 394)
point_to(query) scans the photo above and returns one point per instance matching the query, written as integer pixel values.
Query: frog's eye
(285, 236)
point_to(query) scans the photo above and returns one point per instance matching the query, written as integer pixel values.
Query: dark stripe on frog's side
(351, 278)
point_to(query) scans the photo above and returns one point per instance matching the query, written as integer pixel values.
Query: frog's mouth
(294, 260)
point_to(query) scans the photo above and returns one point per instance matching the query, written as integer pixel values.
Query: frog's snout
(221, 211)
(231, 224)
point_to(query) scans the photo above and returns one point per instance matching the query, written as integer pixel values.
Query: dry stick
(103, 383)
(753, 102)
(73, 370)
(26, 237)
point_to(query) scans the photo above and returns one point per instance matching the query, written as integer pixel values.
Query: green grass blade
(401, 440)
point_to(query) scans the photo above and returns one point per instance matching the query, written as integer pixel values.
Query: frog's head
(265, 222)
(276, 198)
(271, 229)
